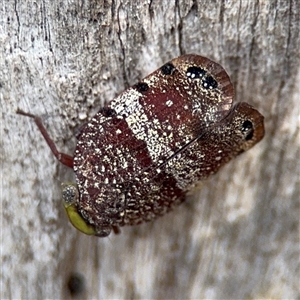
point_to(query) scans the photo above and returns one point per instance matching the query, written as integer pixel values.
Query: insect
(140, 155)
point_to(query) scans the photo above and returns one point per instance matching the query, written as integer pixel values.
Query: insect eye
(69, 194)
(247, 130)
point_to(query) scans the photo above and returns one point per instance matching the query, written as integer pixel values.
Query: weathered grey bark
(238, 237)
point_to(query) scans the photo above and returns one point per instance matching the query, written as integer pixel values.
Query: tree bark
(236, 238)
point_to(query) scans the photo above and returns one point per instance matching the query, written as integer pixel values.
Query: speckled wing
(148, 123)
(143, 152)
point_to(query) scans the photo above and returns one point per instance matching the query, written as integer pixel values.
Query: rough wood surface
(237, 238)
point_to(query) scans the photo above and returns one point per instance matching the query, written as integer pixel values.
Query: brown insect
(139, 156)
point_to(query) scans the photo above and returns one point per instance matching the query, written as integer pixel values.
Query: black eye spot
(141, 87)
(247, 129)
(195, 72)
(167, 69)
(209, 83)
(108, 112)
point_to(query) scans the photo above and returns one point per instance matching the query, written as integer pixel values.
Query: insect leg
(65, 159)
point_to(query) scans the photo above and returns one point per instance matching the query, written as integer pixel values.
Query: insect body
(143, 151)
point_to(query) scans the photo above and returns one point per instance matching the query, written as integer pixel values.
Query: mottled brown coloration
(139, 156)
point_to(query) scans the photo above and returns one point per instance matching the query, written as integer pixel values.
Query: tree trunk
(236, 238)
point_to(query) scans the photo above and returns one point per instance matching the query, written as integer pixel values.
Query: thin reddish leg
(65, 159)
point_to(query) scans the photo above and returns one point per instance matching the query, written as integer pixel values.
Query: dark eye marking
(195, 72)
(209, 83)
(108, 112)
(141, 87)
(168, 69)
(247, 129)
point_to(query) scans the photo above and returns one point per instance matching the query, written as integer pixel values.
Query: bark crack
(179, 26)
(18, 19)
(46, 26)
(253, 27)
(122, 47)
(150, 9)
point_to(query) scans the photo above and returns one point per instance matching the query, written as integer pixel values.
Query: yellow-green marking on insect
(69, 197)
